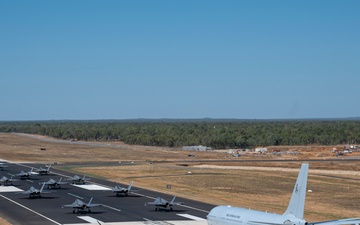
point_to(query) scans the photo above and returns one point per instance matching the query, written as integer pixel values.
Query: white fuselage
(226, 215)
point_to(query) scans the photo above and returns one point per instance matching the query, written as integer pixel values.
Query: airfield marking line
(90, 219)
(201, 210)
(33, 211)
(111, 208)
(76, 196)
(191, 217)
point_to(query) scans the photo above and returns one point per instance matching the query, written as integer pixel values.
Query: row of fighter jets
(4, 181)
(159, 202)
(78, 205)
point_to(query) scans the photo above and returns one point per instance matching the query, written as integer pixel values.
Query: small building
(196, 148)
(261, 150)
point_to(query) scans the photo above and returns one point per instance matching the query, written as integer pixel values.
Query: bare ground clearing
(263, 186)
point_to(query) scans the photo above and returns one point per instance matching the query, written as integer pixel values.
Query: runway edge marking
(33, 211)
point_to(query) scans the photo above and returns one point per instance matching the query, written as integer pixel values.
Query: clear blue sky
(179, 59)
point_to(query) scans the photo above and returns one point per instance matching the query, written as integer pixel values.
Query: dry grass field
(258, 185)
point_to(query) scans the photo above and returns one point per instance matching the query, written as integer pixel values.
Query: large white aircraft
(294, 215)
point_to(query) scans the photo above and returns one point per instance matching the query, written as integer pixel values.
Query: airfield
(201, 182)
(20, 209)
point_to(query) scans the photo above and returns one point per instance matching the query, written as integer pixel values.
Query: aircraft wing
(177, 203)
(338, 222)
(25, 192)
(70, 205)
(46, 182)
(93, 205)
(152, 203)
(60, 183)
(47, 192)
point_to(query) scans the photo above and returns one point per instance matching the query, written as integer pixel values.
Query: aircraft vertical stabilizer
(90, 201)
(129, 188)
(297, 201)
(42, 188)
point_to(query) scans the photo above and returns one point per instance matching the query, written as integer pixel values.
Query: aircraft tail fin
(90, 201)
(48, 169)
(129, 188)
(42, 188)
(60, 179)
(297, 201)
(173, 199)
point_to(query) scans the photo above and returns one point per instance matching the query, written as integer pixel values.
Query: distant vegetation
(217, 134)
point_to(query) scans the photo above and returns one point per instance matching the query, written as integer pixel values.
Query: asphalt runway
(18, 208)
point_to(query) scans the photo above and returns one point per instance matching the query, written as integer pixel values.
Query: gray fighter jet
(162, 203)
(121, 190)
(43, 171)
(51, 183)
(24, 175)
(7, 181)
(79, 205)
(33, 192)
(78, 180)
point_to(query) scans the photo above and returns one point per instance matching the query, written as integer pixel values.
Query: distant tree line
(217, 134)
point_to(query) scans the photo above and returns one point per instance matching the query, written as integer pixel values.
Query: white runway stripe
(90, 219)
(191, 217)
(119, 210)
(9, 189)
(92, 187)
(76, 196)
